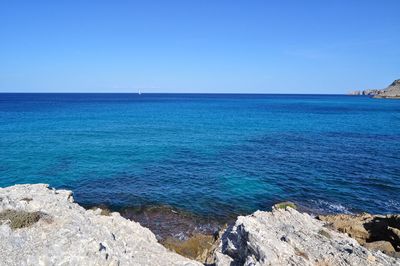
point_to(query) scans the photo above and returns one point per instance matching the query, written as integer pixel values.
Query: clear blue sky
(198, 46)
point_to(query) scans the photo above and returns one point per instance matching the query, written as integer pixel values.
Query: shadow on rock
(375, 232)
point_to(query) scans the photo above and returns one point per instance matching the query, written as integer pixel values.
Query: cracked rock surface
(288, 237)
(40, 226)
(66, 234)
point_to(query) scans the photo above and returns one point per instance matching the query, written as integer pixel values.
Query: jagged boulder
(378, 232)
(39, 226)
(288, 237)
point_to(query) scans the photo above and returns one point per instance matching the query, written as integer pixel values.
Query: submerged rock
(284, 205)
(198, 247)
(288, 237)
(50, 229)
(71, 235)
(167, 222)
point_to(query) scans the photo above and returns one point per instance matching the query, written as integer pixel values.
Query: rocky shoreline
(375, 232)
(391, 92)
(42, 226)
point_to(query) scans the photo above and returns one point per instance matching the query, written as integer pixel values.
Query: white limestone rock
(67, 234)
(287, 237)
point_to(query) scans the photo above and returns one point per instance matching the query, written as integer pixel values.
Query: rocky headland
(42, 226)
(391, 92)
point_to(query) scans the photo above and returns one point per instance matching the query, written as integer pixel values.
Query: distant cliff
(392, 91)
(365, 92)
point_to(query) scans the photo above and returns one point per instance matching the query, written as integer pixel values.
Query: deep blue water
(214, 155)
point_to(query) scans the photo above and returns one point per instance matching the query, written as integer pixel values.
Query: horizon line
(135, 93)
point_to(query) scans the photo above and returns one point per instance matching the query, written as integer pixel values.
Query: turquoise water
(212, 155)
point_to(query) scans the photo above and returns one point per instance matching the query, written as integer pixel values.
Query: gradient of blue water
(215, 155)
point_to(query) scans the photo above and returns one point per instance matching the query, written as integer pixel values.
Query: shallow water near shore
(214, 156)
(166, 222)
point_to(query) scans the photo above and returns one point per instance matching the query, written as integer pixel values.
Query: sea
(214, 156)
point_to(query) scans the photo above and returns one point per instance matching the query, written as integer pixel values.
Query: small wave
(329, 207)
(392, 205)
